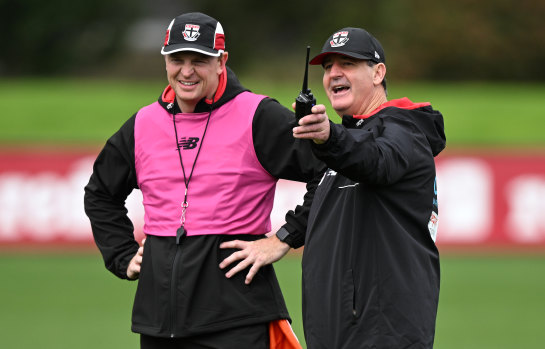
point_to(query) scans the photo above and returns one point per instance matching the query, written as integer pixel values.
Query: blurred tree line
(423, 39)
(61, 36)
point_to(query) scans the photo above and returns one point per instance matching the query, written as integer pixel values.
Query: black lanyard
(181, 231)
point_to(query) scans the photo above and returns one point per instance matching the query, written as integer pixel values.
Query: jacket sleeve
(296, 220)
(381, 154)
(286, 157)
(111, 182)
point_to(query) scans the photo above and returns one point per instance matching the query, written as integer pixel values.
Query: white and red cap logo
(191, 32)
(339, 39)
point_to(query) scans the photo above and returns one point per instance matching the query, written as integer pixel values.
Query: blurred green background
(72, 72)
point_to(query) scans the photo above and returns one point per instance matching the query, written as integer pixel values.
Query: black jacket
(181, 290)
(370, 264)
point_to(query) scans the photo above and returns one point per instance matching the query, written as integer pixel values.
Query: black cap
(352, 42)
(195, 32)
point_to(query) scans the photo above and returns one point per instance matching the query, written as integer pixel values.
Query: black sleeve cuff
(293, 239)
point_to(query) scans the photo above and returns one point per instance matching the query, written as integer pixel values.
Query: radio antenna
(305, 79)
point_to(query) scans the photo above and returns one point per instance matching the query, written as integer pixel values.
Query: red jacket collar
(403, 103)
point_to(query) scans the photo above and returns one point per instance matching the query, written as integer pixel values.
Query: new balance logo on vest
(188, 142)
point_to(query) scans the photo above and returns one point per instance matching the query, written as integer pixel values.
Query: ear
(222, 61)
(379, 72)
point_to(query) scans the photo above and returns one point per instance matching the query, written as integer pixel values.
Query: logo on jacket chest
(187, 143)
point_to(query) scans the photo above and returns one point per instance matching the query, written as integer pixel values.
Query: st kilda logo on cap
(191, 32)
(339, 39)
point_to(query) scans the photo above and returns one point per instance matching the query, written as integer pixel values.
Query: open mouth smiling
(340, 88)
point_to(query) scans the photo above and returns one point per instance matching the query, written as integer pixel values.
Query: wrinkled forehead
(339, 57)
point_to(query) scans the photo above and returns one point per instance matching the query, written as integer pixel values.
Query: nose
(186, 69)
(335, 70)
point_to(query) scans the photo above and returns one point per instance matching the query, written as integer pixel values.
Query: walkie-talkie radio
(305, 101)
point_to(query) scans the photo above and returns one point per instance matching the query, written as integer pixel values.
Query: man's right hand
(133, 271)
(314, 126)
(253, 253)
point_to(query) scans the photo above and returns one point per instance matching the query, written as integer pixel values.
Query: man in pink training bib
(206, 157)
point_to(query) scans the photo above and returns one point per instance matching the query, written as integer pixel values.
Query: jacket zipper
(180, 233)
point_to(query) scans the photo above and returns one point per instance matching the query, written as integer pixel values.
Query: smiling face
(193, 76)
(352, 86)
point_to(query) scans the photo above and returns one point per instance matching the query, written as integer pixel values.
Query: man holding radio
(370, 264)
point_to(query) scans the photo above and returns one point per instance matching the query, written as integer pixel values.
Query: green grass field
(87, 112)
(69, 300)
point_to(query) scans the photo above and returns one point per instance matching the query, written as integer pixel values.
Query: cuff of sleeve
(123, 266)
(293, 239)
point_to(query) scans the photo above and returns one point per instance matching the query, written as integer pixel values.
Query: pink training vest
(229, 193)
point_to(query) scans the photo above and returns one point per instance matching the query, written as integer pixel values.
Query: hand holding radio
(317, 128)
(305, 101)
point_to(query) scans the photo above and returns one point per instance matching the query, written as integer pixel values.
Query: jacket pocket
(349, 305)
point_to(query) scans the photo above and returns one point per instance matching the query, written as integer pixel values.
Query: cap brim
(189, 47)
(319, 59)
